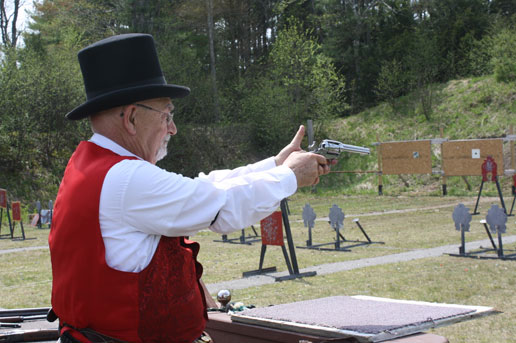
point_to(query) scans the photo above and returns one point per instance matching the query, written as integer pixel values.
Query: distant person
(123, 269)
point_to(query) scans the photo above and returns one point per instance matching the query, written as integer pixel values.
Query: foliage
(278, 63)
(504, 55)
(35, 137)
(392, 82)
(56, 21)
(300, 84)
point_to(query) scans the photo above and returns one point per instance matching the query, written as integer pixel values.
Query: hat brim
(126, 96)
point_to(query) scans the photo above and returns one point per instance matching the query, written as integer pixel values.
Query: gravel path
(328, 268)
(8, 251)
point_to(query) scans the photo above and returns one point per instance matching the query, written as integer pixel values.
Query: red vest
(162, 303)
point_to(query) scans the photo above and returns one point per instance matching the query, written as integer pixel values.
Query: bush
(504, 55)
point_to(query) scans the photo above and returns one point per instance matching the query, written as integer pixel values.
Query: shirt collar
(107, 143)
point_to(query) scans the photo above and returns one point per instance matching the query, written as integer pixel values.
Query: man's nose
(172, 129)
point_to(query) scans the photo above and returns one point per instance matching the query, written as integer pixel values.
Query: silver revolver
(332, 149)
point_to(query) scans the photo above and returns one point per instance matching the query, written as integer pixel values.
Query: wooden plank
(410, 157)
(465, 157)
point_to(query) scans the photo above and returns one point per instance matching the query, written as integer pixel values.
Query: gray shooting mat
(370, 319)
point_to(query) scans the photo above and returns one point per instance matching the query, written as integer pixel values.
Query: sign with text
(16, 208)
(3, 198)
(272, 229)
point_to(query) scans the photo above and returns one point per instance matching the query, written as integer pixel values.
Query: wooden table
(223, 330)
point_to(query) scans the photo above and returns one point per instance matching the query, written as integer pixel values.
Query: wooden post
(513, 161)
(445, 191)
(380, 176)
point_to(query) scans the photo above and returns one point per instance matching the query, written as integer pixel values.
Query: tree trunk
(9, 37)
(209, 4)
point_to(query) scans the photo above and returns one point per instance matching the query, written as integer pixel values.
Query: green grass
(444, 280)
(33, 237)
(466, 109)
(25, 279)
(400, 231)
(25, 276)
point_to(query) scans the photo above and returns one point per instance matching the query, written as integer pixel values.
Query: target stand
(494, 223)
(336, 222)
(513, 194)
(4, 207)
(43, 216)
(272, 234)
(16, 209)
(489, 167)
(242, 239)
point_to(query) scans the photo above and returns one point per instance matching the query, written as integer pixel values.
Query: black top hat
(120, 70)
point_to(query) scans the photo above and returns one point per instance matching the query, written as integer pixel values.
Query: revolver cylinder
(332, 149)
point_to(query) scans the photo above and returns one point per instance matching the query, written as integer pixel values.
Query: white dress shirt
(140, 202)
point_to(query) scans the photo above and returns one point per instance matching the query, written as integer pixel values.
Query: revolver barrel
(332, 149)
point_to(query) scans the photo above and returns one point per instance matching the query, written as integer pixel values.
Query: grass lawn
(402, 223)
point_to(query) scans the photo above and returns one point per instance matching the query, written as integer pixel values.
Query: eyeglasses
(170, 115)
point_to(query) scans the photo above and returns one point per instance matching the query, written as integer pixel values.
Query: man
(122, 267)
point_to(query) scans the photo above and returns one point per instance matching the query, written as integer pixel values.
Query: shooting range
(441, 156)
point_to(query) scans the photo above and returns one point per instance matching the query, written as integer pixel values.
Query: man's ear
(129, 119)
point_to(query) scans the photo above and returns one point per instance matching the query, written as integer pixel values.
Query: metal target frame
(336, 222)
(495, 222)
(242, 239)
(4, 205)
(290, 260)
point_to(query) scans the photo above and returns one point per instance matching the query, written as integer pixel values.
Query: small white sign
(475, 153)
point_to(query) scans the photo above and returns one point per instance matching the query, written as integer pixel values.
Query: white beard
(162, 152)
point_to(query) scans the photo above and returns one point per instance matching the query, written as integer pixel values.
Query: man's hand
(307, 167)
(295, 145)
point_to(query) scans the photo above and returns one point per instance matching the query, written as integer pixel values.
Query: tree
(449, 23)
(360, 36)
(8, 23)
(393, 82)
(504, 55)
(213, 72)
(301, 83)
(35, 137)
